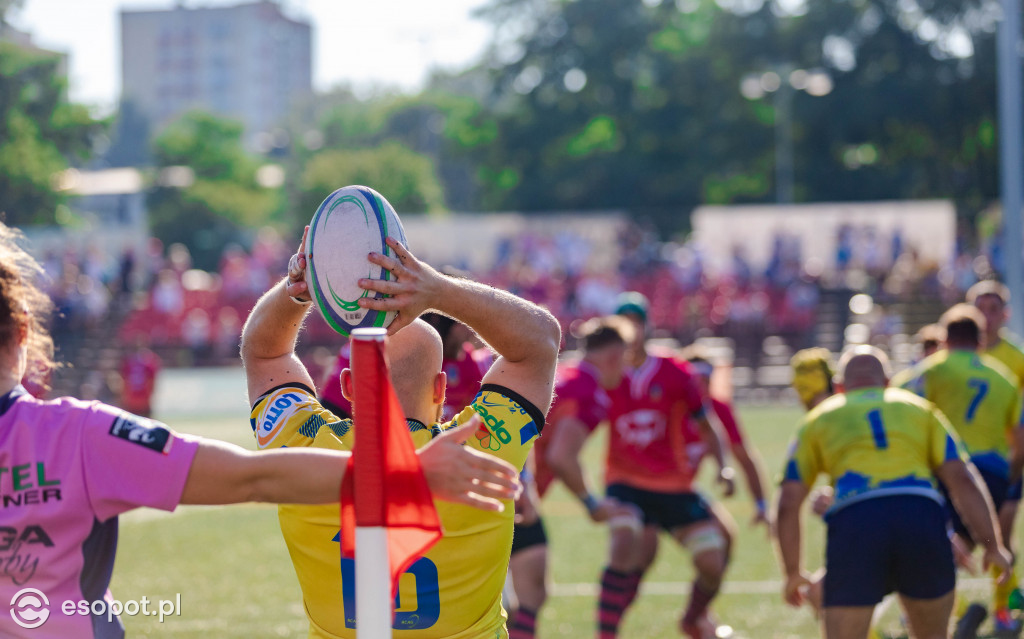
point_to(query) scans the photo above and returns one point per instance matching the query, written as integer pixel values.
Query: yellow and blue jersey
(978, 395)
(454, 590)
(1010, 355)
(872, 442)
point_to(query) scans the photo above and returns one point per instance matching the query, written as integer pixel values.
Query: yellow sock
(873, 634)
(1001, 592)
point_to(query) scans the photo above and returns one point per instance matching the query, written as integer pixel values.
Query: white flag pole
(374, 605)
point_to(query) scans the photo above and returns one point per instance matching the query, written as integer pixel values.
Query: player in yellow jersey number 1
(883, 450)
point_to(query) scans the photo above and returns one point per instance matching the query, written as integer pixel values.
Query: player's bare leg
(928, 618)
(725, 523)
(707, 546)
(647, 551)
(853, 622)
(528, 568)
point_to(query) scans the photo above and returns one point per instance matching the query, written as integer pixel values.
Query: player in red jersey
(747, 457)
(648, 469)
(580, 405)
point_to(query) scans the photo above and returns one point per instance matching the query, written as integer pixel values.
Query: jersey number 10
(428, 598)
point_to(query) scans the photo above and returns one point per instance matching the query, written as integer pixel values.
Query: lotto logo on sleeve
(141, 431)
(277, 409)
(30, 608)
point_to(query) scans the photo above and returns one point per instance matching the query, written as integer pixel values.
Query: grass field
(235, 579)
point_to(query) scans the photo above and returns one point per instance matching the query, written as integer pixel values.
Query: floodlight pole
(1011, 156)
(784, 138)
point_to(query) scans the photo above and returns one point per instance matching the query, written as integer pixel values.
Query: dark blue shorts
(998, 487)
(668, 510)
(525, 536)
(887, 544)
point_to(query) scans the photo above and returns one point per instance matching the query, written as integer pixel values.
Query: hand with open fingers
(463, 475)
(1001, 558)
(794, 592)
(297, 288)
(411, 289)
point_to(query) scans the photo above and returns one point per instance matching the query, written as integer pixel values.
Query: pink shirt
(67, 469)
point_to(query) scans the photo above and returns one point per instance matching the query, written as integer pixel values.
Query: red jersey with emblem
(578, 395)
(646, 446)
(696, 448)
(464, 376)
(330, 391)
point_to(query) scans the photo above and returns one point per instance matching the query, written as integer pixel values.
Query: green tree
(41, 133)
(637, 105)
(404, 177)
(207, 194)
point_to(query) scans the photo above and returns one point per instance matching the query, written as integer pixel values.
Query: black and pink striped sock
(618, 590)
(523, 625)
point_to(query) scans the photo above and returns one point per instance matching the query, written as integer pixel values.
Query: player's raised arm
(269, 334)
(525, 336)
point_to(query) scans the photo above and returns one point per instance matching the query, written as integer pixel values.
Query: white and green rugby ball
(352, 222)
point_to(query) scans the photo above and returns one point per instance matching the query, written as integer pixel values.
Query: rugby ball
(350, 223)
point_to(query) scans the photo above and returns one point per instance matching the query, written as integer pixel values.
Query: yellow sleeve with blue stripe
(509, 423)
(288, 416)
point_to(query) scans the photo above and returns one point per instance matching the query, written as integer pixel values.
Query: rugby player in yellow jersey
(454, 590)
(980, 398)
(882, 450)
(993, 299)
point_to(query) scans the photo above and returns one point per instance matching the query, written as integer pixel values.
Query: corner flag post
(386, 509)
(374, 605)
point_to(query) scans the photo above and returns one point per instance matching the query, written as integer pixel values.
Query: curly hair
(24, 308)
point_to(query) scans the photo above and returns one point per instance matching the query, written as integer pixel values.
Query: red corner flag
(385, 486)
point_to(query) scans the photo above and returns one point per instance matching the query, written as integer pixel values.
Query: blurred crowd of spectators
(161, 299)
